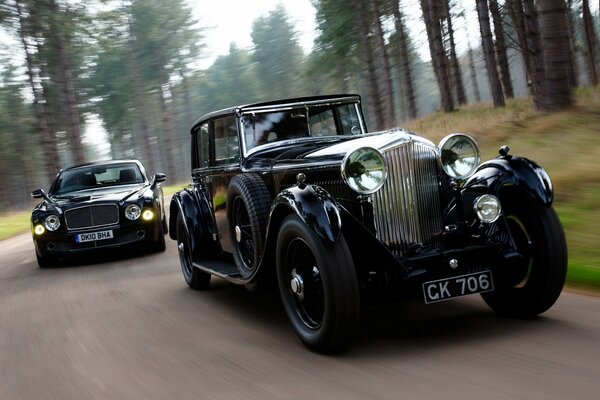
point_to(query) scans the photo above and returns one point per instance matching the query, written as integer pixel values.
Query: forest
(133, 65)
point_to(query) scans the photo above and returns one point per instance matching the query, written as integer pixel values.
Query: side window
(202, 146)
(227, 146)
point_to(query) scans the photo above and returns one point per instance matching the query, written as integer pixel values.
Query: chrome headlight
(364, 170)
(133, 212)
(487, 208)
(459, 155)
(52, 222)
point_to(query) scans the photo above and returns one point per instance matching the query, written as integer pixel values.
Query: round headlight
(364, 170)
(52, 222)
(39, 229)
(133, 212)
(147, 215)
(488, 208)
(459, 155)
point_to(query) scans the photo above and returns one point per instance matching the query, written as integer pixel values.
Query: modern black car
(298, 191)
(100, 205)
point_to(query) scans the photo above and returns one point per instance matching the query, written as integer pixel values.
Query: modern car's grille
(92, 216)
(407, 208)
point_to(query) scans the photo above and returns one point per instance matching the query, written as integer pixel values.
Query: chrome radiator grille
(92, 216)
(407, 208)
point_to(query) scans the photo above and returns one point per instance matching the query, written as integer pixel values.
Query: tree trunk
(474, 75)
(554, 31)
(454, 64)
(386, 80)
(572, 71)
(73, 126)
(488, 51)
(168, 135)
(439, 62)
(515, 10)
(366, 55)
(590, 42)
(48, 142)
(405, 69)
(501, 49)
(536, 54)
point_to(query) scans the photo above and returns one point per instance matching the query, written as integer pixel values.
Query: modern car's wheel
(160, 245)
(46, 261)
(194, 277)
(318, 286)
(537, 280)
(248, 205)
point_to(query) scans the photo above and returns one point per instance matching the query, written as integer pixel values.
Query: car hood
(331, 149)
(107, 194)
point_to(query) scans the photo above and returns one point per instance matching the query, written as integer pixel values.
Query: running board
(222, 269)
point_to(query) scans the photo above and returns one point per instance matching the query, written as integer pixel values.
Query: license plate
(457, 286)
(93, 236)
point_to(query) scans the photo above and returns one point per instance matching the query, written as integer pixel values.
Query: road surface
(124, 327)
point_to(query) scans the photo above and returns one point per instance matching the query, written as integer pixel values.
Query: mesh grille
(407, 208)
(93, 216)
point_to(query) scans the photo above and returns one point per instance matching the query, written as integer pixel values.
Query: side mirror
(38, 194)
(158, 178)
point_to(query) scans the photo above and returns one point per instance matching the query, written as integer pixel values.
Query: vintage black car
(95, 206)
(299, 191)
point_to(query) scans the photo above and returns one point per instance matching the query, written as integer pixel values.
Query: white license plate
(93, 236)
(457, 286)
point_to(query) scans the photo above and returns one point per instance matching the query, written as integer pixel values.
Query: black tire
(539, 278)
(160, 245)
(318, 287)
(194, 277)
(248, 206)
(47, 261)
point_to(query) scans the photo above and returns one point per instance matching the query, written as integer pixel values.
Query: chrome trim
(407, 209)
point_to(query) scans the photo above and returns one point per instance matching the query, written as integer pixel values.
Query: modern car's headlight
(52, 222)
(364, 170)
(147, 215)
(133, 212)
(459, 155)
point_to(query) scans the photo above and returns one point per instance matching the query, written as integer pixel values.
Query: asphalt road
(125, 327)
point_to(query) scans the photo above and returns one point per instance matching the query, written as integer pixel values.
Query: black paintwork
(330, 208)
(147, 194)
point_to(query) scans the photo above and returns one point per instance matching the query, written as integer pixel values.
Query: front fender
(197, 217)
(511, 172)
(314, 205)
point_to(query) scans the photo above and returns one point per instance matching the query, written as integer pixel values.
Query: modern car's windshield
(313, 121)
(97, 176)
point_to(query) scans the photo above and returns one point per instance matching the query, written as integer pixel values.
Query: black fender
(314, 205)
(508, 173)
(197, 216)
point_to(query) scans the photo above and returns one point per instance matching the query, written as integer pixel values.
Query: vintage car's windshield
(97, 176)
(262, 127)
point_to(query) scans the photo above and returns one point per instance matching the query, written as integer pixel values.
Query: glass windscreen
(313, 121)
(97, 176)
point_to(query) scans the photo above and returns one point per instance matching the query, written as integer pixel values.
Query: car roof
(271, 103)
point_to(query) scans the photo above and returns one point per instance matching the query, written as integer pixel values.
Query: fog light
(147, 215)
(488, 208)
(39, 229)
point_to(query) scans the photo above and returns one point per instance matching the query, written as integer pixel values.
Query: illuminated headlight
(147, 215)
(364, 170)
(459, 155)
(133, 212)
(488, 208)
(52, 222)
(39, 229)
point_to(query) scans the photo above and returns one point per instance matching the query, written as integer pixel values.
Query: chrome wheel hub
(297, 285)
(181, 248)
(238, 233)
